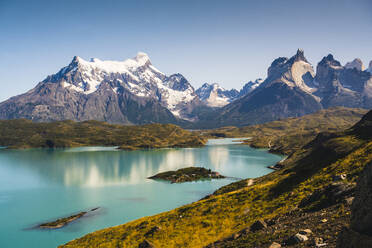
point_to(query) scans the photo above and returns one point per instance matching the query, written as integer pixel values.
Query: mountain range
(133, 91)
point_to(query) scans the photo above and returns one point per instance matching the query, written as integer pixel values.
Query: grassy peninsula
(23, 133)
(308, 193)
(188, 174)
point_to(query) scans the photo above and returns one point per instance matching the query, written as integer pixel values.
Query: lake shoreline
(61, 181)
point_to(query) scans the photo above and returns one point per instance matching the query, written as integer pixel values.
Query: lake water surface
(39, 185)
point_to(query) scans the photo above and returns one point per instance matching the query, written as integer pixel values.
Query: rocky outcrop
(348, 86)
(258, 225)
(297, 239)
(275, 245)
(360, 232)
(146, 244)
(327, 196)
(356, 63)
(361, 217)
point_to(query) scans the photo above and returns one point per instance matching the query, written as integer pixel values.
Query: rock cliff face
(348, 86)
(360, 232)
(356, 63)
(361, 217)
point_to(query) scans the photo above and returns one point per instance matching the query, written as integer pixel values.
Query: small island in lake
(188, 174)
(59, 223)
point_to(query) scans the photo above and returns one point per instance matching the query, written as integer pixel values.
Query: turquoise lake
(40, 185)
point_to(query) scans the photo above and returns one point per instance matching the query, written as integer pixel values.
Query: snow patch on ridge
(72, 87)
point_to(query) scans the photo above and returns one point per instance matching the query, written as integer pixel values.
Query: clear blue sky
(228, 42)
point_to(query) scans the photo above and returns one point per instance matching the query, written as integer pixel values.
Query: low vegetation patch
(27, 134)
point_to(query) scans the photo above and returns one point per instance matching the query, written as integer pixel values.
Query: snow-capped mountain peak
(135, 75)
(294, 72)
(142, 57)
(86, 76)
(110, 66)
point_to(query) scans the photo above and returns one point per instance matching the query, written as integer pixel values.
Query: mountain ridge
(133, 91)
(292, 89)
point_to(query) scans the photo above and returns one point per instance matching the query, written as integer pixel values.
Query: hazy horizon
(229, 43)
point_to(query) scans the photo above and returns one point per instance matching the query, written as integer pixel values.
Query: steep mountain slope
(306, 193)
(130, 92)
(287, 91)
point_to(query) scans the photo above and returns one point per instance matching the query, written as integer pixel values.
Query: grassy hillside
(297, 197)
(286, 136)
(25, 134)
